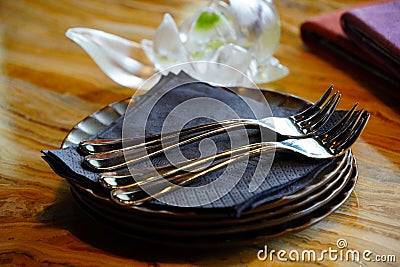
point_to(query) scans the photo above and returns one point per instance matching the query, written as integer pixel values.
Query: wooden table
(48, 84)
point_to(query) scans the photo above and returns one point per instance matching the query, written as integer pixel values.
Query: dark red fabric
(375, 29)
(324, 34)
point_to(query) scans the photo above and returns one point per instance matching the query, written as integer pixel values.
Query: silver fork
(123, 178)
(106, 155)
(332, 143)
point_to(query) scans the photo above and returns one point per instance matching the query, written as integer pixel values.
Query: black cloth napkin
(287, 174)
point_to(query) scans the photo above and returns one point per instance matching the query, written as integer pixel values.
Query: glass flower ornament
(219, 43)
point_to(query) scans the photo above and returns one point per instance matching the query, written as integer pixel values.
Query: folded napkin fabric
(374, 52)
(287, 174)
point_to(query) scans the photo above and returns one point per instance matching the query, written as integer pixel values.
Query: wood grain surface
(48, 84)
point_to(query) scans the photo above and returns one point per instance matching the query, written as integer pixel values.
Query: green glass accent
(207, 20)
(198, 55)
(215, 44)
(164, 59)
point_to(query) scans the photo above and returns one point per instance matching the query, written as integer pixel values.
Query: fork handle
(113, 160)
(125, 178)
(112, 145)
(160, 185)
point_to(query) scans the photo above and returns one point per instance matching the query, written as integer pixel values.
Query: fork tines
(347, 130)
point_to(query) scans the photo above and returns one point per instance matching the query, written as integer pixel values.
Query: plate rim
(119, 106)
(260, 238)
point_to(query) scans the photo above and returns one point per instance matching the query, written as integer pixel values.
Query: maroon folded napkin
(325, 36)
(375, 29)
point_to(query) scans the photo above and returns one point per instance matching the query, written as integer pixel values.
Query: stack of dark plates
(325, 191)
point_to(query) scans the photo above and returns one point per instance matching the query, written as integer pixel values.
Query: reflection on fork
(106, 155)
(128, 189)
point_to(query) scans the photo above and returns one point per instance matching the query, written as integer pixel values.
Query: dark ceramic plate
(258, 233)
(230, 226)
(330, 182)
(106, 116)
(290, 213)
